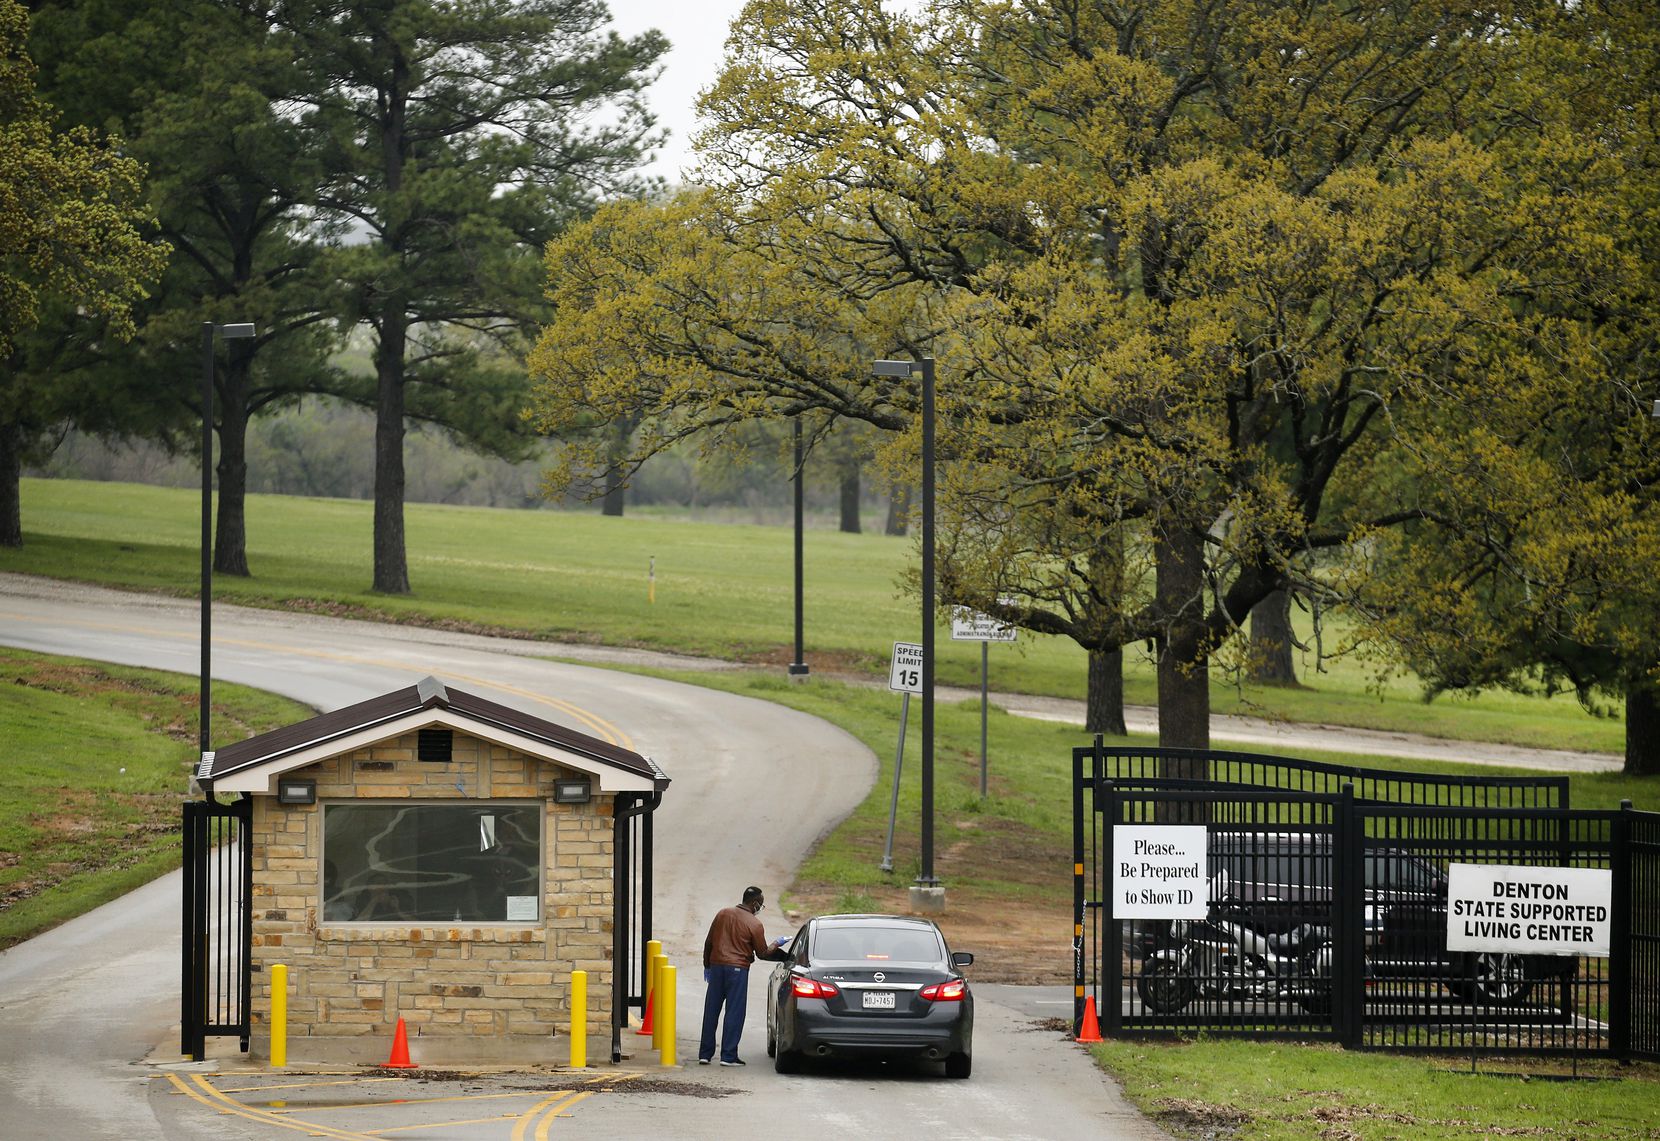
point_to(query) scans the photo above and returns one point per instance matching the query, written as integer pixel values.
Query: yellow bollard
(279, 1015)
(664, 997)
(665, 1017)
(579, 1019)
(649, 983)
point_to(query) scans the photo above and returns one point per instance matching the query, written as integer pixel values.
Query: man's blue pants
(728, 987)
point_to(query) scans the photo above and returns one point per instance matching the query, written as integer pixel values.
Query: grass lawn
(1271, 1091)
(97, 762)
(720, 590)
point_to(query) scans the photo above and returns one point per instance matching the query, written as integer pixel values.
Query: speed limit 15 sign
(906, 674)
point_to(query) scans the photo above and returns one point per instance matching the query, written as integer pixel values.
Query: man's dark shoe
(734, 1062)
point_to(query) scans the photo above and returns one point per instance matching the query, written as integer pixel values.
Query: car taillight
(952, 991)
(803, 987)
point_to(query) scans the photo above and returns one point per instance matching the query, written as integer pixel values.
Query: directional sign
(906, 675)
(972, 626)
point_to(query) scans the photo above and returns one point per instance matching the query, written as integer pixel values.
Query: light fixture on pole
(209, 331)
(925, 367)
(798, 667)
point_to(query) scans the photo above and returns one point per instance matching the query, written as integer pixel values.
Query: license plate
(878, 1000)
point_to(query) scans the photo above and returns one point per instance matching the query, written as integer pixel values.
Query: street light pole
(798, 668)
(927, 877)
(925, 367)
(209, 330)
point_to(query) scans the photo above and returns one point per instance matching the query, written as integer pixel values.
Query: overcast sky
(696, 30)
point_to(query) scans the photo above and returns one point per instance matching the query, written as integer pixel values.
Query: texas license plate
(878, 1000)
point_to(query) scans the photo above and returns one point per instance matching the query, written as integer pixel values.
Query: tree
(72, 228)
(199, 90)
(459, 139)
(1206, 280)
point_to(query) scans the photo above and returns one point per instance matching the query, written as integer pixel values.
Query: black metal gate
(216, 984)
(1345, 868)
(631, 921)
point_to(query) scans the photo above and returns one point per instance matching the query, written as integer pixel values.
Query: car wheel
(787, 1062)
(772, 1044)
(1494, 978)
(1163, 987)
(1316, 999)
(959, 1065)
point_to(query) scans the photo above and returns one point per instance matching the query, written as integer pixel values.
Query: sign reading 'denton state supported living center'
(1542, 911)
(1158, 871)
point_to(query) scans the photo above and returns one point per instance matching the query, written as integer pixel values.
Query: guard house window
(432, 863)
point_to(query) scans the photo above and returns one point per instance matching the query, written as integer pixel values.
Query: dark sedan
(871, 986)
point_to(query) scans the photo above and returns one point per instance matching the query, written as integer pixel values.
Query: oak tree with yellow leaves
(1197, 275)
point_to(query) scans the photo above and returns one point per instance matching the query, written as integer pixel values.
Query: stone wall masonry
(355, 980)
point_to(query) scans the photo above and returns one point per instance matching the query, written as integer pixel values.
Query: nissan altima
(871, 986)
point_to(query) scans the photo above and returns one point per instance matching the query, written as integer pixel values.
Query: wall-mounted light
(572, 790)
(296, 791)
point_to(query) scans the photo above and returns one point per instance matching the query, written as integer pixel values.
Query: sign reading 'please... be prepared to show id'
(1518, 910)
(1159, 871)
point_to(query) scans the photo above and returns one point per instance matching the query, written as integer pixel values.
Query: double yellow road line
(534, 1123)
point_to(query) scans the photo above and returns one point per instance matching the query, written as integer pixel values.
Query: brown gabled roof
(429, 693)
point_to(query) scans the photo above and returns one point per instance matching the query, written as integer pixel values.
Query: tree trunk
(616, 491)
(11, 479)
(230, 541)
(1642, 729)
(850, 497)
(899, 509)
(391, 565)
(1271, 661)
(1183, 677)
(1104, 704)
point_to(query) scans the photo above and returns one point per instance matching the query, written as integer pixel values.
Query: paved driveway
(82, 1008)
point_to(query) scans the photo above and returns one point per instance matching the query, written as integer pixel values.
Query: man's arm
(763, 949)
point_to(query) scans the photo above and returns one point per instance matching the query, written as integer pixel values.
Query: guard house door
(215, 985)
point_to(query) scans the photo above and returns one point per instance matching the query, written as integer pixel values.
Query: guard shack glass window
(432, 863)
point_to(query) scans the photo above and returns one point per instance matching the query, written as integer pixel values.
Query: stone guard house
(438, 857)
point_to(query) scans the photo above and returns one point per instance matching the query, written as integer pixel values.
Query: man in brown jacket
(735, 940)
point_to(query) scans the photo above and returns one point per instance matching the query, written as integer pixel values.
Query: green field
(96, 765)
(720, 590)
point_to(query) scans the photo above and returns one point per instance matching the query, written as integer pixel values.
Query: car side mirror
(962, 959)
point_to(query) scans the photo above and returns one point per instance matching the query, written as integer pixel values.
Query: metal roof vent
(435, 745)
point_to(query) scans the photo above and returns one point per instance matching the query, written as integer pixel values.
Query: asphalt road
(88, 1011)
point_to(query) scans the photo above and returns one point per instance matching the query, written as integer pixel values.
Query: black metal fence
(216, 985)
(1326, 913)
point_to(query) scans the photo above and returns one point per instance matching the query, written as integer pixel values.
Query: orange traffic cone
(1090, 1031)
(400, 1050)
(645, 1022)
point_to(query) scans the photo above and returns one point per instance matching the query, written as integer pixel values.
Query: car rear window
(877, 944)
